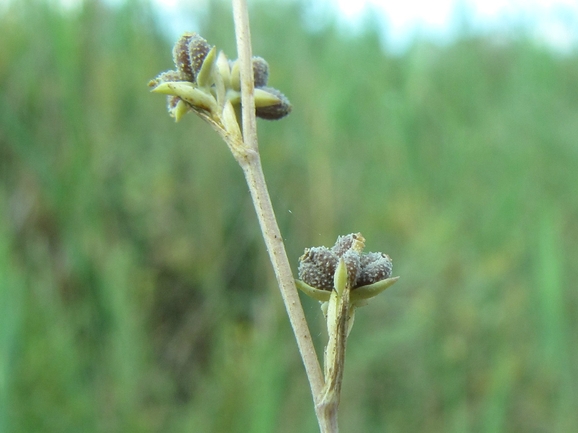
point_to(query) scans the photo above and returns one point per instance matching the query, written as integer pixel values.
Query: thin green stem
(251, 164)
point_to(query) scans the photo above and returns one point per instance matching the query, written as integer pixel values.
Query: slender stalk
(339, 315)
(251, 165)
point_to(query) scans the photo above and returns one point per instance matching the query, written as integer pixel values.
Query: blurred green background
(135, 290)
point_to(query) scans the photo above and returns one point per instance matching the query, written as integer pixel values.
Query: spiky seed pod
(181, 57)
(317, 267)
(276, 111)
(198, 49)
(260, 71)
(374, 267)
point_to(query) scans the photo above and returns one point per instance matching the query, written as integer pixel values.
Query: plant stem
(251, 165)
(280, 262)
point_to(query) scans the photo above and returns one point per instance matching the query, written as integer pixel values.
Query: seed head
(317, 266)
(205, 82)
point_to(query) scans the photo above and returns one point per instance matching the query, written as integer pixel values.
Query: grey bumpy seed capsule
(181, 57)
(276, 111)
(374, 267)
(198, 50)
(260, 71)
(352, 262)
(346, 242)
(317, 267)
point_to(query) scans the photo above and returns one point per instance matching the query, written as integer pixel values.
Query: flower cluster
(208, 83)
(317, 266)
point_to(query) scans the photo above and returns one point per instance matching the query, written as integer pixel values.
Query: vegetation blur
(136, 294)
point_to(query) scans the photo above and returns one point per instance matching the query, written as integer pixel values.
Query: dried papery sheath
(276, 111)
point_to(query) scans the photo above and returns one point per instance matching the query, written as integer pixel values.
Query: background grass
(135, 290)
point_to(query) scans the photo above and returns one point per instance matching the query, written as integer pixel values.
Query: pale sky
(552, 22)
